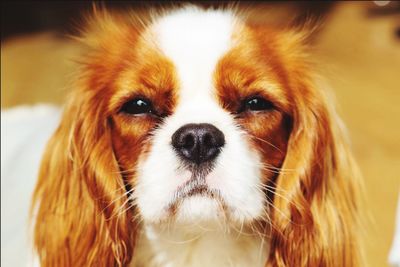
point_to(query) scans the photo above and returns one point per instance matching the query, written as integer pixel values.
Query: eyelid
(244, 100)
(121, 109)
(276, 102)
(129, 98)
(154, 113)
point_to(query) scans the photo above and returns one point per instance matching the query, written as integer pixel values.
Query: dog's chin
(199, 197)
(199, 209)
(195, 202)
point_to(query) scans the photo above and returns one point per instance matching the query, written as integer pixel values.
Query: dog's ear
(80, 215)
(80, 202)
(315, 213)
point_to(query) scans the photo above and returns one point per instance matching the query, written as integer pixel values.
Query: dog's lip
(192, 188)
(199, 189)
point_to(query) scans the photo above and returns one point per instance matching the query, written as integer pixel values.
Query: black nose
(198, 142)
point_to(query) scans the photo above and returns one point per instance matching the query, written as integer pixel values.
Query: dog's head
(194, 116)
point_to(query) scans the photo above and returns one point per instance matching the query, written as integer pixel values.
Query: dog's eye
(257, 104)
(137, 106)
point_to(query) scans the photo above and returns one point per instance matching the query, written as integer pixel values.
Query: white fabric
(24, 134)
(394, 257)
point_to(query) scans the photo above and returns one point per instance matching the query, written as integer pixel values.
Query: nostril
(188, 141)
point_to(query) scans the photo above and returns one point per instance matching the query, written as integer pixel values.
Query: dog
(194, 137)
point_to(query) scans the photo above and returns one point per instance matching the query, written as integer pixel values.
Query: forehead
(211, 49)
(197, 55)
(195, 40)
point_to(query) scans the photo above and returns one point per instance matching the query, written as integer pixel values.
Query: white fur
(196, 246)
(200, 235)
(194, 40)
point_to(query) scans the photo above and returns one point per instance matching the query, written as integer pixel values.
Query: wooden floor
(360, 58)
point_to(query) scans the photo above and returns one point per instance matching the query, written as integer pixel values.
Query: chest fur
(203, 247)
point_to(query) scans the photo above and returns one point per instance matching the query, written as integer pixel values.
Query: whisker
(126, 193)
(279, 195)
(265, 141)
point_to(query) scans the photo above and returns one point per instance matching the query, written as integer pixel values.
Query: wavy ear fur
(316, 223)
(80, 195)
(79, 199)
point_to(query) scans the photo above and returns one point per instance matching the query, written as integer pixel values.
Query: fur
(286, 185)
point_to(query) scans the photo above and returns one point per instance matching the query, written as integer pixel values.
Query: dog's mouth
(197, 184)
(194, 187)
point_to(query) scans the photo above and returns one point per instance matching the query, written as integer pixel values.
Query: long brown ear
(316, 222)
(80, 199)
(80, 218)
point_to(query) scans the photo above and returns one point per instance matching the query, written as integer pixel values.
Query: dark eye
(257, 104)
(137, 106)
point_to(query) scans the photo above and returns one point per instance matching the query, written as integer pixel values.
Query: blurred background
(356, 47)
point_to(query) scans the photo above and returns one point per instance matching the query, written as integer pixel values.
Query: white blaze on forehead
(194, 40)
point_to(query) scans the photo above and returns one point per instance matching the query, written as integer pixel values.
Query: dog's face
(195, 116)
(201, 122)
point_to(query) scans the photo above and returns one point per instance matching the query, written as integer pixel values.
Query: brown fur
(81, 188)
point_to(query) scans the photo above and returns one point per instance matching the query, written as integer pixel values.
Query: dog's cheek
(268, 135)
(131, 140)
